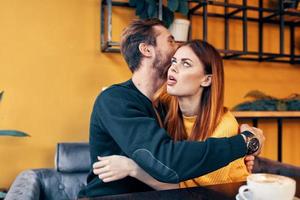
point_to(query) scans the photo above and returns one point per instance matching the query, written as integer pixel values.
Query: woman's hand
(249, 162)
(112, 168)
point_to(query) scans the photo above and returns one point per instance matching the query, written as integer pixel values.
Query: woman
(193, 96)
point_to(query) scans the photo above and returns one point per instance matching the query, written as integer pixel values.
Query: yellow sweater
(235, 171)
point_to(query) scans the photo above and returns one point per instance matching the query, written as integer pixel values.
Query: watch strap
(248, 134)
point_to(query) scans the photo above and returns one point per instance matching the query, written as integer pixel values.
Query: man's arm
(150, 146)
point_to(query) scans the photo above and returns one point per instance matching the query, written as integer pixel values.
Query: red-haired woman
(194, 98)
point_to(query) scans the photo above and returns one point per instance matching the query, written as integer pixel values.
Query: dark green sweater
(123, 122)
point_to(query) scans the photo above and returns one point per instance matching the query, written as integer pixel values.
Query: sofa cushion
(72, 157)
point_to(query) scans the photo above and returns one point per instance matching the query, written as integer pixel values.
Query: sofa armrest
(264, 165)
(46, 184)
(26, 187)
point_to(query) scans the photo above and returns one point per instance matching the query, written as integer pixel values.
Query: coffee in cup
(268, 186)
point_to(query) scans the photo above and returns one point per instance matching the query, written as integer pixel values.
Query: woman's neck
(189, 105)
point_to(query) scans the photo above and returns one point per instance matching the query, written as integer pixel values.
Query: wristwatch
(252, 142)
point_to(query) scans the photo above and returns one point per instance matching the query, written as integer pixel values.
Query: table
(279, 115)
(215, 192)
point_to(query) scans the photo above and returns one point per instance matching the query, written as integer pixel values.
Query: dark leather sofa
(72, 164)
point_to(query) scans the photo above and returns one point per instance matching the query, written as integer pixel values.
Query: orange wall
(52, 69)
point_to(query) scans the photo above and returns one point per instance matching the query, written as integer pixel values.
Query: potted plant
(263, 102)
(10, 133)
(148, 9)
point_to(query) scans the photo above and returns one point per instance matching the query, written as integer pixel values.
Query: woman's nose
(173, 68)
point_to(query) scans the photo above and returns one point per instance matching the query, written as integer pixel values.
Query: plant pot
(180, 29)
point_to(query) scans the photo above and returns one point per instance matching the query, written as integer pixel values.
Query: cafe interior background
(52, 68)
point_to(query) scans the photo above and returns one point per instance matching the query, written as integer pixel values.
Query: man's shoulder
(118, 86)
(120, 92)
(118, 89)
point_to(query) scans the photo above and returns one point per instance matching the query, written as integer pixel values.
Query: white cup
(180, 29)
(267, 187)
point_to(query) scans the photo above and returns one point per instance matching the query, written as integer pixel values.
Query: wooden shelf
(266, 114)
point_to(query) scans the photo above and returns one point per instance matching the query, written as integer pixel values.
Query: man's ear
(207, 81)
(145, 49)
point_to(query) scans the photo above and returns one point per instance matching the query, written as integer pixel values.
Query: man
(124, 121)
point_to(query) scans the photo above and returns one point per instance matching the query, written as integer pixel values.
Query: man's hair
(139, 31)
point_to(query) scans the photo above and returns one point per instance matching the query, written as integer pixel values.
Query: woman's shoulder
(228, 117)
(228, 126)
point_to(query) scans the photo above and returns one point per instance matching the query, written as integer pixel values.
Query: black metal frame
(245, 54)
(107, 45)
(279, 120)
(227, 53)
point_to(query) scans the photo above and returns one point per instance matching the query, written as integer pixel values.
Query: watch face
(253, 145)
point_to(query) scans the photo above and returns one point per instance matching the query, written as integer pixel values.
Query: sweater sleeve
(129, 124)
(229, 127)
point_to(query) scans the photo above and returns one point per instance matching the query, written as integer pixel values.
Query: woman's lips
(171, 80)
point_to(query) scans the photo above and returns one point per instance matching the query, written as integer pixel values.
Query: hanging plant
(146, 9)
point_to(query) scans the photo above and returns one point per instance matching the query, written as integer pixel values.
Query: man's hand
(257, 132)
(249, 162)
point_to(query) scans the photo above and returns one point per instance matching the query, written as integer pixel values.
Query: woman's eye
(186, 64)
(173, 61)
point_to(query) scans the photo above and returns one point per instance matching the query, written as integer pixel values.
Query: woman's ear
(145, 49)
(207, 81)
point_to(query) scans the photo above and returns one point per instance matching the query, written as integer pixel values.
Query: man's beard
(161, 64)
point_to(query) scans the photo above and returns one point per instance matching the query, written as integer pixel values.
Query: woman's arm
(112, 168)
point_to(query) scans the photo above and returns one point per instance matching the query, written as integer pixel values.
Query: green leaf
(293, 96)
(173, 5)
(13, 133)
(184, 7)
(1, 94)
(153, 2)
(168, 16)
(256, 94)
(152, 8)
(281, 106)
(132, 2)
(2, 195)
(140, 7)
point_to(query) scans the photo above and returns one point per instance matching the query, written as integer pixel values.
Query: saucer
(237, 197)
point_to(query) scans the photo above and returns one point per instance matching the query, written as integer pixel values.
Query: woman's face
(186, 76)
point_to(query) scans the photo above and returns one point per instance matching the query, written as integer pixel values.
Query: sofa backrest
(72, 157)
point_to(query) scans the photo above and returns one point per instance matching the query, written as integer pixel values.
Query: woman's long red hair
(212, 100)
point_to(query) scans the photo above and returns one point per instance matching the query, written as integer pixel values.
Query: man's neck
(147, 81)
